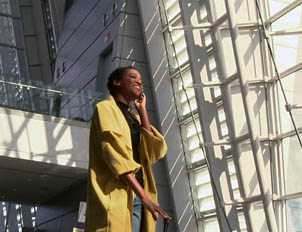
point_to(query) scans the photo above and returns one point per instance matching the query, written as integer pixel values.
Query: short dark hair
(117, 74)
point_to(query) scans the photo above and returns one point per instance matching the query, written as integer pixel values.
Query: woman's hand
(154, 209)
(140, 103)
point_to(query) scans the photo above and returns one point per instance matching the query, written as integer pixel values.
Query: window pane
(211, 225)
(172, 8)
(191, 140)
(7, 31)
(286, 46)
(9, 61)
(178, 43)
(242, 223)
(292, 87)
(289, 20)
(294, 214)
(5, 7)
(292, 165)
(204, 190)
(234, 181)
(277, 5)
(183, 96)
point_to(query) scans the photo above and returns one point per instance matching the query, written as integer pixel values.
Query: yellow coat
(109, 199)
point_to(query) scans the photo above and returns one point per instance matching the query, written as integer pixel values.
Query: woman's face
(130, 85)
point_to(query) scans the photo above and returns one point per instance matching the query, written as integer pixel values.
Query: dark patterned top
(135, 128)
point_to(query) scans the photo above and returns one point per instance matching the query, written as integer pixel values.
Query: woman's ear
(116, 83)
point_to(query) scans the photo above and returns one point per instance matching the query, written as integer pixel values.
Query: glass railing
(42, 98)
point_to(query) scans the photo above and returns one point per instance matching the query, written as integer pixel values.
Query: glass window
(292, 165)
(204, 190)
(172, 8)
(211, 225)
(292, 87)
(286, 46)
(242, 223)
(5, 7)
(233, 177)
(184, 96)
(9, 63)
(7, 31)
(176, 44)
(294, 214)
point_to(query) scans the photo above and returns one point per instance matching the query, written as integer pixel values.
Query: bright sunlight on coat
(110, 200)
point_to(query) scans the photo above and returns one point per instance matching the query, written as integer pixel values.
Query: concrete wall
(43, 161)
(40, 156)
(42, 138)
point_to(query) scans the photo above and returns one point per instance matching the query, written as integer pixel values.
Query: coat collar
(118, 124)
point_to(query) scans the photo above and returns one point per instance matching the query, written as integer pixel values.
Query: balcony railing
(42, 98)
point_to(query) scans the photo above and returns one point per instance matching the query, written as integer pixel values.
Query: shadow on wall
(40, 156)
(44, 139)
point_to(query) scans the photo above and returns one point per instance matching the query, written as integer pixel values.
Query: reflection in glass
(42, 98)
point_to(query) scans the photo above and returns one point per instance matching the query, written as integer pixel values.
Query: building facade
(222, 80)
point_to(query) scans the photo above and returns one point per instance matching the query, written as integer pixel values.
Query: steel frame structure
(268, 195)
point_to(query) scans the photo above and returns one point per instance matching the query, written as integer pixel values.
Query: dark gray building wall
(61, 213)
(82, 46)
(185, 218)
(35, 43)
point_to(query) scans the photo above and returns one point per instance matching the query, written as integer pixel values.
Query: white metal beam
(294, 31)
(247, 102)
(289, 71)
(217, 23)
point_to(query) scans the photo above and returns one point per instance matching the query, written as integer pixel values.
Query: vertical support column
(254, 139)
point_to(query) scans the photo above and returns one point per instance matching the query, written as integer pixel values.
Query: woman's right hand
(154, 209)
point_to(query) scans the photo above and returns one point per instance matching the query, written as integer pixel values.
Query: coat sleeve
(116, 155)
(153, 144)
(113, 147)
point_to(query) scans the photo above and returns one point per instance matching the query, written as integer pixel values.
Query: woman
(122, 194)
